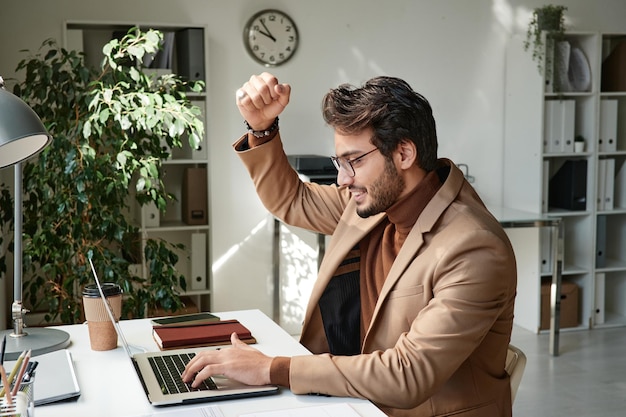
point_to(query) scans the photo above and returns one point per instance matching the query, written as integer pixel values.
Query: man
(413, 305)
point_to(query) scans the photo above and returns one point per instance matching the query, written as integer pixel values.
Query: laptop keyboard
(168, 368)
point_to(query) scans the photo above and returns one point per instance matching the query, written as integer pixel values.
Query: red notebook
(209, 334)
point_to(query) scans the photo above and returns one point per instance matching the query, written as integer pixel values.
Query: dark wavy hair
(392, 109)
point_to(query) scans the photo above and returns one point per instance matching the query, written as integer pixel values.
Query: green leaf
(87, 129)
(107, 95)
(134, 74)
(136, 52)
(104, 115)
(121, 159)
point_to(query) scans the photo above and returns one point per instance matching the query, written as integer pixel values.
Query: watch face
(271, 37)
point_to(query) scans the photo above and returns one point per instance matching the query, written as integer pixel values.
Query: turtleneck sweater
(381, 247)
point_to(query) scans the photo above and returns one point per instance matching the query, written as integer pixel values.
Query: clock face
(271, 37)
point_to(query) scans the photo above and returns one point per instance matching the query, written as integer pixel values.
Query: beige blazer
(438, 339)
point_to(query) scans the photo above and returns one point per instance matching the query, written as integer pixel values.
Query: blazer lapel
(414, 241)
(408, 252)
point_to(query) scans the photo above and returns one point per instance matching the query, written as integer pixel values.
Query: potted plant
(550, 19)
(108, 127)
(579, 143)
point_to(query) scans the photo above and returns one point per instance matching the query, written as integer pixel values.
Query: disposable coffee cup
(102, 334)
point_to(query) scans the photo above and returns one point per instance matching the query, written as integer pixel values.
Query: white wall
(452, 51)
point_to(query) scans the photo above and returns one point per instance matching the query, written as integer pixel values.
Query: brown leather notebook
(209, 334)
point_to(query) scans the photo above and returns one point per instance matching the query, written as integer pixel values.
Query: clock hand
(268, 33)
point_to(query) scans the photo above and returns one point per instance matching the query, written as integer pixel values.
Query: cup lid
(108, 288)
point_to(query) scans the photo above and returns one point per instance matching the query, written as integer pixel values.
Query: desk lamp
(22, 135)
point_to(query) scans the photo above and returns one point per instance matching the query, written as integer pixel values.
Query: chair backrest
(515, 364)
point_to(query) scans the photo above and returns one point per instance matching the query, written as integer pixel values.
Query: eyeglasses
(348, 164)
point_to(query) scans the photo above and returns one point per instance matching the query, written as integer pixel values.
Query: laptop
(159, 373)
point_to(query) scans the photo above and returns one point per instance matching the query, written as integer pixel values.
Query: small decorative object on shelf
(548, 18)
(579, 143)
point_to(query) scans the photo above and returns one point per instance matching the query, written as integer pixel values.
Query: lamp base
(38, 340)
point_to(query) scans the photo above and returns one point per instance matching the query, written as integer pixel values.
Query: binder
(568, 187)
(546, 250)
(609, 181)
(559, 125)
(151, 215)
(568, 115)
(194, 196)
(607, 142)
(198, 261)
(545, 186)
(619, 185)
(600, 191)
(599, 298)
(190, 54)
(547, 127)
(601, 241)
(552, 126)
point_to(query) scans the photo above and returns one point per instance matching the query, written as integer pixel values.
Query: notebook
(159, 373)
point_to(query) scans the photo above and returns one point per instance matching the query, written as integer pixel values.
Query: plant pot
(549, 20)
(579, 146)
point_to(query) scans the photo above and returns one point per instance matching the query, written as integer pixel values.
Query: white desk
(111, 388)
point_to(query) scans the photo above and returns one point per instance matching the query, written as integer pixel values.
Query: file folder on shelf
(552, 127)
(568, 186)
(601, 241)
(545, 186)
(600, 288)
(198, 261)
(609, 188)
(546, 250)
(568, 122)
(607, 141)
(559, 126)
(601, 184)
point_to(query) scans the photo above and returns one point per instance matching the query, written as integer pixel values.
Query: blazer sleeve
(310, 206)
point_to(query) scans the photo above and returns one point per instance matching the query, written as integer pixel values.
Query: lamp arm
(17, 309)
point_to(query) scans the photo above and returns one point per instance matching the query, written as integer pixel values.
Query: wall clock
(271, 37)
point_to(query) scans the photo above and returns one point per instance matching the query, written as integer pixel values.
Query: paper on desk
(328, 410)
(211, 411)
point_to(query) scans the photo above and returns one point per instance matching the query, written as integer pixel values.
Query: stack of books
(196, 331)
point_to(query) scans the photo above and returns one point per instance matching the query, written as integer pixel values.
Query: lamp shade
(22, 134)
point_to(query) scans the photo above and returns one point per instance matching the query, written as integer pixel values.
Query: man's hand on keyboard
(241, 362)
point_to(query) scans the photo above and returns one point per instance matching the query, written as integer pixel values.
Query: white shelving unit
(533, 159)
(172, 225)
(610, 275)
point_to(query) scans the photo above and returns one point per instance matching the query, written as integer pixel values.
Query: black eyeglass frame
(338, 162)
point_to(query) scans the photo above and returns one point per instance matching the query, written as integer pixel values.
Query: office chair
(515, 364)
